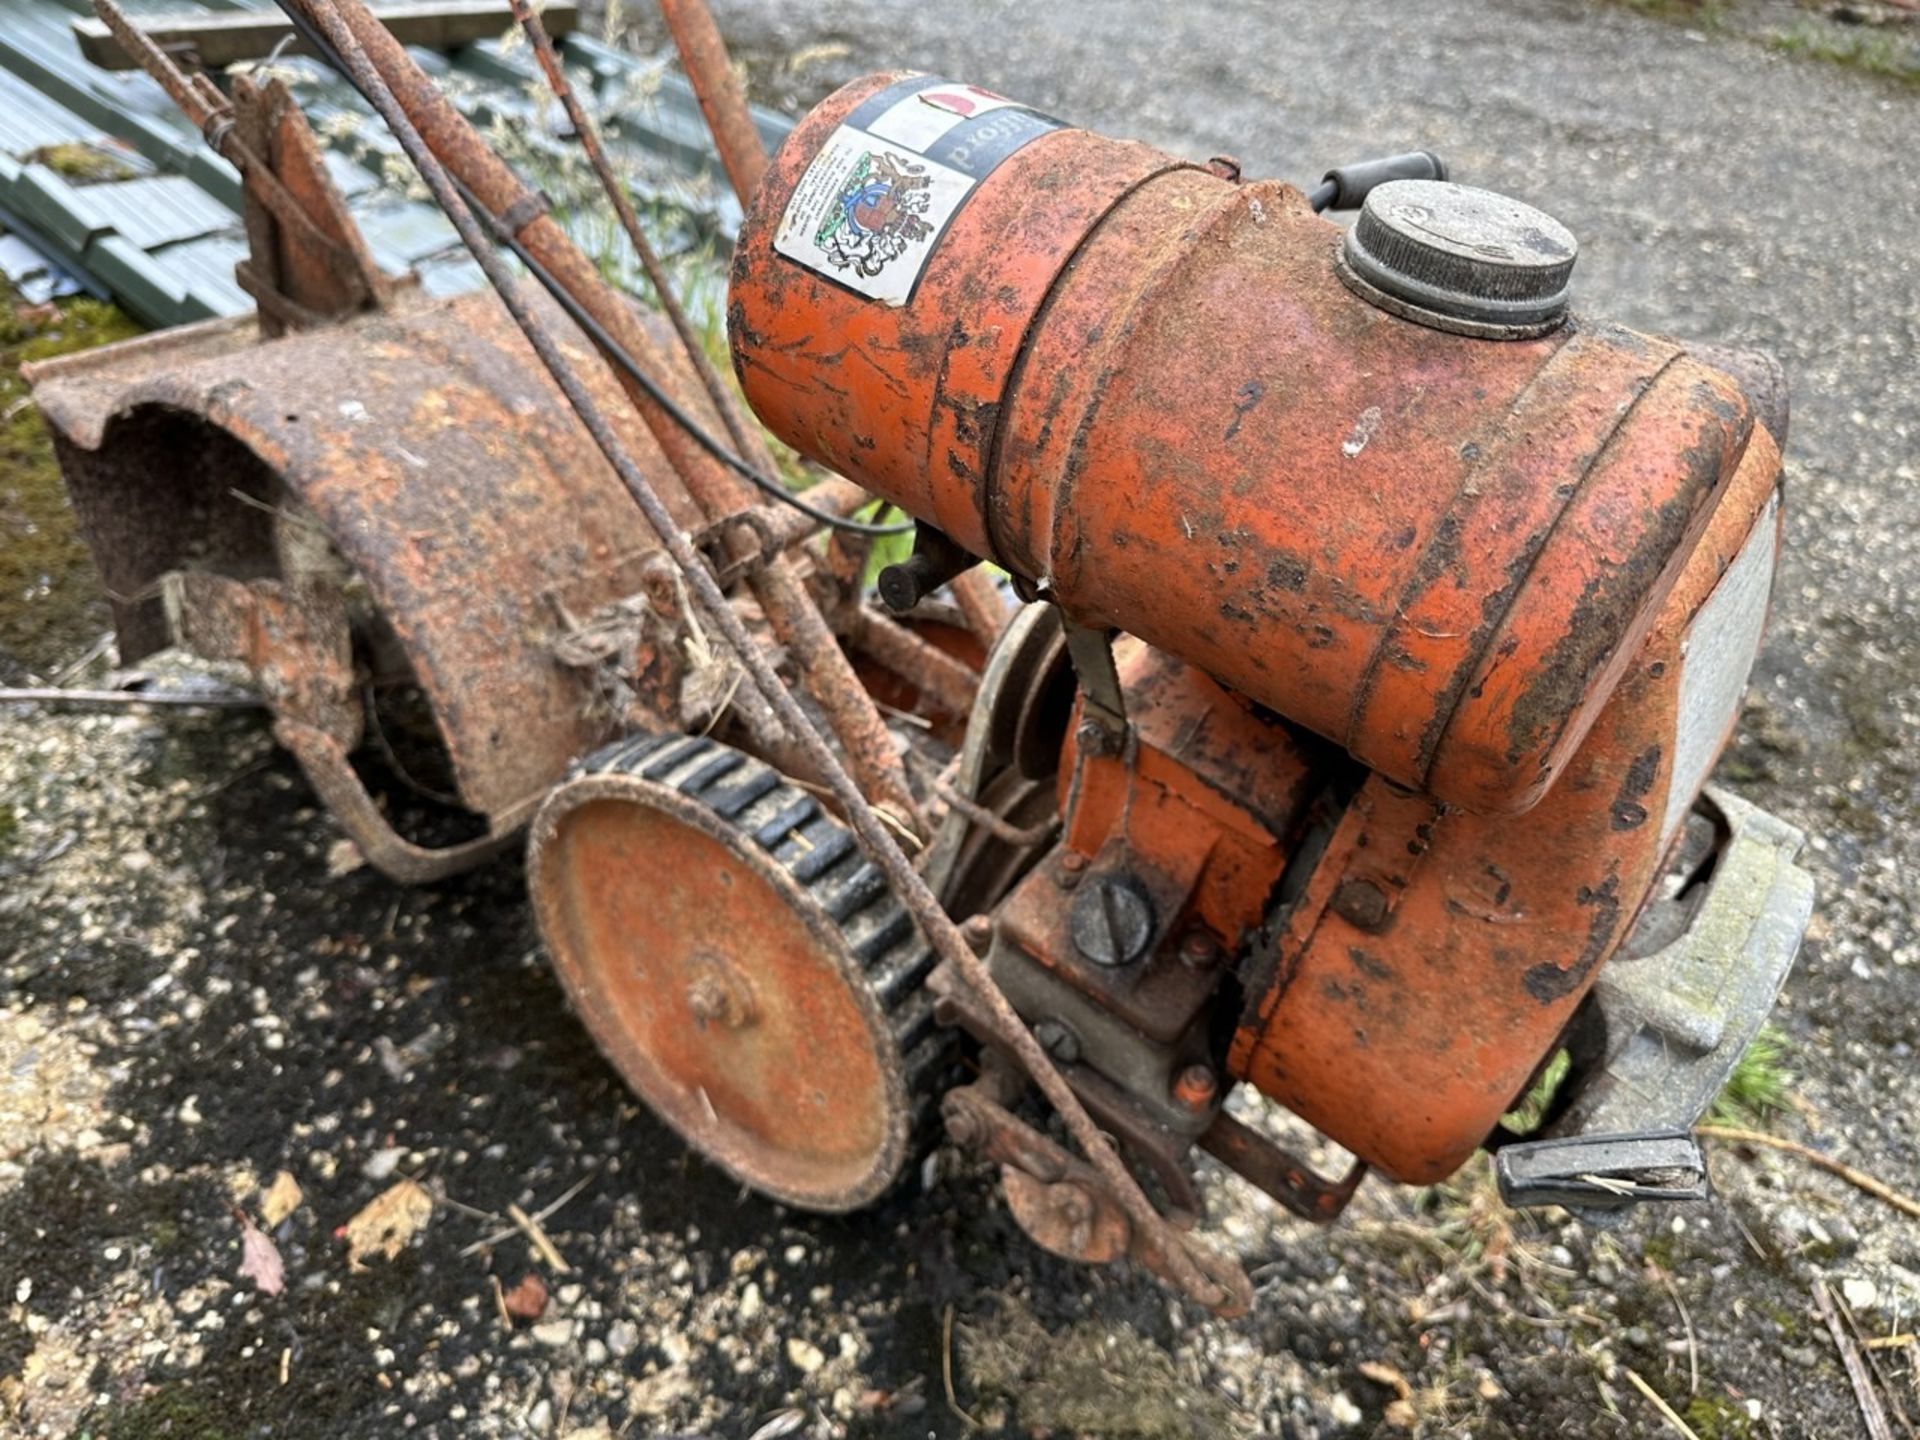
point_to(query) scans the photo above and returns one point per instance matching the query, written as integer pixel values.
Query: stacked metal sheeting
(104, 186)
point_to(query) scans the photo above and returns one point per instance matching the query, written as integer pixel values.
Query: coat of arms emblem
(880, 212)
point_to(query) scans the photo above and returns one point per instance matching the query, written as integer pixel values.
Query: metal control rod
(703, 55)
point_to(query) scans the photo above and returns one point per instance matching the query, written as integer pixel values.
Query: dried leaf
(781, 1422)
(260, 1259)
(388, 1222)
(343, 858)
(280, 1200)
(528, 1299)
(1401, 1415)
(1382, 1373)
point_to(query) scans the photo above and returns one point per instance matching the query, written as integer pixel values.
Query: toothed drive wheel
(741, 963)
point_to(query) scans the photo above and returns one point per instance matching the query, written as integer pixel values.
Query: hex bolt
(963, 1128)
(1071, 1203)
(1361, 903)
(978, 933)
(719, 995)
(1072, 866)
(1196, 1087)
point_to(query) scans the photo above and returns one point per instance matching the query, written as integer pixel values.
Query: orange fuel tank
(1147, 389)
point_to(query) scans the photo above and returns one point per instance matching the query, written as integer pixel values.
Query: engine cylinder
(1145, 387)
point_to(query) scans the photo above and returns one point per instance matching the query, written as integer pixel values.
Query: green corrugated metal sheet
(164, 241)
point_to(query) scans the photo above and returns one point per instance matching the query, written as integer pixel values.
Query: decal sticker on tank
(873, 203)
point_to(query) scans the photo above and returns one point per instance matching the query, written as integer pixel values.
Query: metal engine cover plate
(741, 963)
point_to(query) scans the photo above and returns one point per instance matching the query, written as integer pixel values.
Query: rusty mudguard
(453, 483)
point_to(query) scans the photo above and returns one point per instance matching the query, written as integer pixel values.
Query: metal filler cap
(1460, 259)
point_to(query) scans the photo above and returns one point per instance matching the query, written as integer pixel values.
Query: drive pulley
(741, 963)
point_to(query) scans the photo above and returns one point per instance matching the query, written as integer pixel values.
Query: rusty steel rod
(1187, 1268)
(942, 681)
(747, 435)
(825, 670)
(982, 603)
(716, 84)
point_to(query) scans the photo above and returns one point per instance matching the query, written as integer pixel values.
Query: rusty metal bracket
(291, 635)
(1285, 1177)
(217, 120)
(294, 638)
(1103, 704)
(1061, 1200)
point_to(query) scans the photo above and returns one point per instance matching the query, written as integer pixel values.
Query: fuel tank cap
(1460, 259)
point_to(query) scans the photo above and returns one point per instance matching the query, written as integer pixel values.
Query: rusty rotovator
(1383, 622)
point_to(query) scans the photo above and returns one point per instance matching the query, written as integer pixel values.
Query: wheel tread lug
(801, 810)
(828, 851)
(867, 884)
(731, 802)
(674, 756)
(711, 772)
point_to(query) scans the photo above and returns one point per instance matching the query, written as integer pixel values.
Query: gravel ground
(197, 994)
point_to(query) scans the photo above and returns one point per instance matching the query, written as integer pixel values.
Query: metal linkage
(339, 21)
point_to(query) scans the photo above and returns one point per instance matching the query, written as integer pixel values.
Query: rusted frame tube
(716, 84)
(981, 602)
(1184, 1269)
(947, 684)
(825, 669)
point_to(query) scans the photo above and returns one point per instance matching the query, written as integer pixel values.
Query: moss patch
(178, 1412)
(1876, 52)
(83, 164)
(1715, 1417)
(50, 600)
